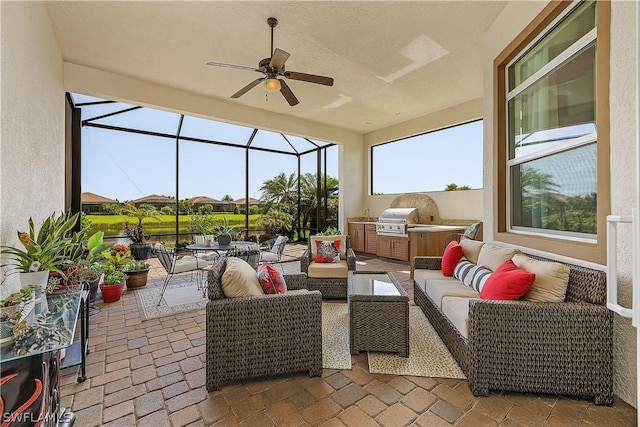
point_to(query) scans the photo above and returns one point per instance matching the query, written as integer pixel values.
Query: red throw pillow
(327, 251)
(452, 254)
(507, 282)
(271, 279)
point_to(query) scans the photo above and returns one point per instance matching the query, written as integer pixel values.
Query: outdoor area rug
(335, 336)
(178, 298)
(428, 356)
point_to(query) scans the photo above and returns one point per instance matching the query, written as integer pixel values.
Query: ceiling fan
(272, 68)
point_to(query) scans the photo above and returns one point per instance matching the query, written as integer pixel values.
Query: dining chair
(274, 254)
(175, 264)
(469, 233)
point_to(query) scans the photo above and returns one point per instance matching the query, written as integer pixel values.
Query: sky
(127, 166)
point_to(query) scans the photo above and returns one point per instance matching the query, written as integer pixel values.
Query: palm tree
(309, 198)
(280, 190)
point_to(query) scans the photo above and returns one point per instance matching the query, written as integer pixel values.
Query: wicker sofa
(542, 347)
(256, 336)
(330, 278)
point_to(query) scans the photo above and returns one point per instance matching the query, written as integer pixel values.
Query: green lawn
(112, 225)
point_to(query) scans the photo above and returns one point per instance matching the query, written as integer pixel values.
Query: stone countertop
(363, 222)
(435, 228)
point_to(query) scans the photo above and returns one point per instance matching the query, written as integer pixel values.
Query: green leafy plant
(96, 248)
(52, 245)
(114, 277)
(136, 266)
(19, 296)
(329, 231)
(136, 231)
(116, 260)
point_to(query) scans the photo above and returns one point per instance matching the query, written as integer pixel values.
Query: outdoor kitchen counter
(436, 228)
(428, 240)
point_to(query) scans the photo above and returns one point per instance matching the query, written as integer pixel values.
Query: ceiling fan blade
(311, 78)
(278, 59)
(285, 90)
(239, 67)
(248, 87)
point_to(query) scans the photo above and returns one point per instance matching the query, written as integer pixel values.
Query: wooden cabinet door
(371, 239)
(400, 249)
(384, 247)
(356, 232)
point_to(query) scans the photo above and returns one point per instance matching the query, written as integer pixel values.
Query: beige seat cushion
(328, 270)
(240, 279)
(493, 256)
(188, 263)
(436, 289)
(551, 281)
(343, 244)
(420, 276)
(457, 311)
(471, 249)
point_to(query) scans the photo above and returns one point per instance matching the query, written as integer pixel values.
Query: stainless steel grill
(395, 221)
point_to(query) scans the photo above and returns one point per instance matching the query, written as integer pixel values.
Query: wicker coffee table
(378, 313)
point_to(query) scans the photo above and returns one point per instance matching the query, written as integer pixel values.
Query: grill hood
(399, 216)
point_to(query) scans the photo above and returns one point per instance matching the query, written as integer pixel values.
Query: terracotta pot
(137, 279)
(111, 293)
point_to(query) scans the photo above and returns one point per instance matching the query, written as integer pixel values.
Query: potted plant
(224, 232)
(139, 249)
(86, 270)
(112, 284)
(137, 274)
(46, 249)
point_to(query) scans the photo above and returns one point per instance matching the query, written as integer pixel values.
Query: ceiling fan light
(273, 84)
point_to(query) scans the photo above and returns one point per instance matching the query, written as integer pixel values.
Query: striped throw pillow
(462, 269)
(479, 276)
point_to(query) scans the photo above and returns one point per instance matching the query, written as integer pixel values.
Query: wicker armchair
(330, 286)
(263, 335)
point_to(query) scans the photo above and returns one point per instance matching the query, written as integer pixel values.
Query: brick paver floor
(152, 373)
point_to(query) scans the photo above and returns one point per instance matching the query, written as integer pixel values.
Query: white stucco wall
(451, 204)
(32, 121)
(624, 184)
(623, 115)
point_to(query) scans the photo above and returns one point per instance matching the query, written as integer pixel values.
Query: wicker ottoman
(378, 313)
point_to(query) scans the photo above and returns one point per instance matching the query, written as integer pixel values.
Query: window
(429, 162)
(552, 132)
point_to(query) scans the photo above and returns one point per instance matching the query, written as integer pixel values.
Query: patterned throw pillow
(327, 251)
(271, 279)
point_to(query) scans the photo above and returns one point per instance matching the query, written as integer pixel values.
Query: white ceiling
(391, 61)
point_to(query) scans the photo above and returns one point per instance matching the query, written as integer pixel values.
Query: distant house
(218, 205)
(92, 202)
(155, 200)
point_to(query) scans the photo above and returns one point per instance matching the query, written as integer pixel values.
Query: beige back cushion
(471, 249)
(343, 244)
(493, 256)
(240, 279)
(551, 281)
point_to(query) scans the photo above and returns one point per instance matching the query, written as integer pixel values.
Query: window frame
(417, 135)
(566, 245)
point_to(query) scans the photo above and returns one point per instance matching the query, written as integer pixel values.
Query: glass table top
(373, 284)
(50, 323)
